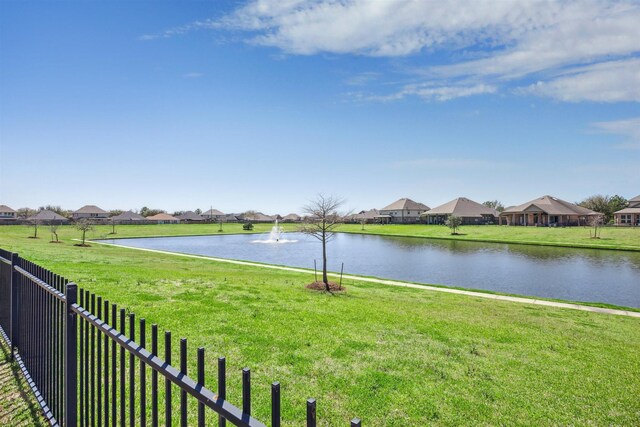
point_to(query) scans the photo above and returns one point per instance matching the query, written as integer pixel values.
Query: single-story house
(471, 212)
(48, 217)
(7, 213)
(213, 215)
(190, 216)
(258, 217)
(546, 211)
(128, 216)
(369, 216)
(402, 211)
(163, 218)
(292, 217)
(91, 212)
(629, 215)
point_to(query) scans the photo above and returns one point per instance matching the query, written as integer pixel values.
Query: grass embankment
(393, 356)
(18, 406)
(620, 238)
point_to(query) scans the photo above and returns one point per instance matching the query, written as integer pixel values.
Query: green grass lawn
(627, 238)
(392, 356)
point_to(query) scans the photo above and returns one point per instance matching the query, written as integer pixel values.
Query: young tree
(321, 220)
(596, 222)
(453, 222)
(53, 228)
(494, 204)
(35, 222)
(84, 225)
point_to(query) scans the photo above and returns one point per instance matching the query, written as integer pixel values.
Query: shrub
(247, 226)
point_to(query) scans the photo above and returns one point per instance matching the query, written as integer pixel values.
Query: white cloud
(508, 42)
(612, 81)
(628, 129)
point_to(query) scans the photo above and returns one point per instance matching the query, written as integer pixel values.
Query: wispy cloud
(566, 47)
(192, 75)
(628, 129)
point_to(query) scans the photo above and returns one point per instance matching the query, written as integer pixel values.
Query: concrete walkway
(522, 300)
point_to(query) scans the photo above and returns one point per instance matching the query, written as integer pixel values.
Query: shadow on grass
(18, 406)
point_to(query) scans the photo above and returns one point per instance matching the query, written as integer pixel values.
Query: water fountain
(275, 236)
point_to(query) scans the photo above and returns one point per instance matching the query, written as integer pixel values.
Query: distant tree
(606, 205)
(84, 225)
(113, 225)
(595, 222)
(321, 222)
(198, 211)
(26, 212)
(145, 211)
(249, 215)
(178, 213)
(453, 222)
(115, 212)
(494, 204)
(53, 228)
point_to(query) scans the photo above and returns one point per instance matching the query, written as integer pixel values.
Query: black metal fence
(80, 356)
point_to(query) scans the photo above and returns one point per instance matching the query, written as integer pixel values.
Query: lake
(590, 275)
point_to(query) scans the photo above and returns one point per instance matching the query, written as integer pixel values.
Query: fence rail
(81, 359)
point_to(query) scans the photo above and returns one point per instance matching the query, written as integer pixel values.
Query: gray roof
(90, 209)
(405, 204)
(128, 216)
(550, 205)
(5, 208)
(462, 207)
(292, 217)
(162, 217)
(635, 199)
(190, 216)
(628, 211)
(47, 215)
(370, 214)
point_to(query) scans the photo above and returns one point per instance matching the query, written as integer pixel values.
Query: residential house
(48, 217)
(128, 217)
(213, 215)
(471, 212)
(546, 211)
(258, 217)
(292, 217)
(163, 218)
(629, 215)
(190, 216)
(91, 212)
(7, 213)
(402, 211)
(370, 216)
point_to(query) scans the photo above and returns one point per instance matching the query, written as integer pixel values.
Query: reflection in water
(554, 272)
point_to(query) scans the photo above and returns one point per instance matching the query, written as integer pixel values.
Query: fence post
(71, 358)
(13, 318)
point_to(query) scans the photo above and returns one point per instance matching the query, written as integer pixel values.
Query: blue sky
(261, 105)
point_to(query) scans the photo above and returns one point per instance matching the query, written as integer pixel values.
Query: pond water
(592, 275)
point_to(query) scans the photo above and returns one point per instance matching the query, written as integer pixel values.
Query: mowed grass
(392, 356)
(627, 238)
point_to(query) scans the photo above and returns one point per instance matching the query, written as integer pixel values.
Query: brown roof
(628, 211)
(162, 217)
(552, 206)
(5, 208)
(292, 217)
(90, 209)
(212, 212)
(370, 214)
(635, 199)
(462, 207)
(405, 204)
(128, 216)
(47, 215)
(190, 216)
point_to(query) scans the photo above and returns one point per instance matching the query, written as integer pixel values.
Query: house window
(625, 219)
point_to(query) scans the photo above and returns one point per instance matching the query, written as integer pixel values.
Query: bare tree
(321, 221)
(596, 222)
(53, 228)
(84, 225)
